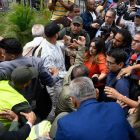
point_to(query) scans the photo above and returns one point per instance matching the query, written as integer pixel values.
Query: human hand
(132, 8)
(95, 25)
(29, 116)
(54, 71)
(1, 38)
(81, 41)
(72, 60)
(112, 93)
(73, 45)
(67, 40)
(9, 114)
(46, 135)
(125, 71)
(132, 110)
(121, 103)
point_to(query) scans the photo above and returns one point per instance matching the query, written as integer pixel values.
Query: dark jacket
(87, 21)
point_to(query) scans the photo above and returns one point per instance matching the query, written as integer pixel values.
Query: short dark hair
(119, 55)
(51, 29)
(11, 46)
(127, 36)
(80, 70)
(73, 6)
(113, 11)
(115, 30)
(138, 33)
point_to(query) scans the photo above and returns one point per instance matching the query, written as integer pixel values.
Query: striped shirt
(53, 57)
(59, 10)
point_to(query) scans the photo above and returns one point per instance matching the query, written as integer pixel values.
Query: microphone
(132, 60)
(94, 80)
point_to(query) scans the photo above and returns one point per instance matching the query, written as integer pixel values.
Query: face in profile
(92, 49)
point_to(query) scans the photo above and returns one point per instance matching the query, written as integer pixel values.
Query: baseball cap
(77, 19)
(23, 74)
(138, 13)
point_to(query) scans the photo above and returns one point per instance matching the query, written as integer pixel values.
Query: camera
(121, 8)
(105, 31)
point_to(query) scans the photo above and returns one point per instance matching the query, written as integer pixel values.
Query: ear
(81, 26)
(97, 94)
(121, 65)
(73, 101)
(12, 57)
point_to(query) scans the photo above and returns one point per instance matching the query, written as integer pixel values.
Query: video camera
(105, 31)
(121, 8)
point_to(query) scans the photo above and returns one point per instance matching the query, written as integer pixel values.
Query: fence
(81, 4)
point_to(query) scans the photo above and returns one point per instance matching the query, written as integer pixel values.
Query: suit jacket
(95, 121)
(21, 134)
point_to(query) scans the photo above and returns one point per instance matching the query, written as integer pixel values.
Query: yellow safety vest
(9, 97)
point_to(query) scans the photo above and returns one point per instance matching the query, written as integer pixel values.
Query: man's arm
(51, 5)
(112, 93)
(128, 70)
(119, 23)
(67, 6)
(104, 6)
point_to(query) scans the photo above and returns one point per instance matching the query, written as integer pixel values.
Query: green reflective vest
(8, 98)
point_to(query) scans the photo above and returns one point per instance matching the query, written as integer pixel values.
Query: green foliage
(21, 20)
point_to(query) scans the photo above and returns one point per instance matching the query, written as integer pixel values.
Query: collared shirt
(132, 28)
(31, 45)
(53, 57)
(93, 15)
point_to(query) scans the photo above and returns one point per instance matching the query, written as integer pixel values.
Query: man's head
(22, 76)
(90, 5)
(110, 17)
(116, 59)
(122, 39)
(80, 70)
(74, 10)
(76, 25)
(136, 43)
(11, 48)
(81, 89)
(38, 30)
(137, 19)
(52, 30)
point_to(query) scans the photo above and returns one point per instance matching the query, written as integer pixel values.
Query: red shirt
(97, 68)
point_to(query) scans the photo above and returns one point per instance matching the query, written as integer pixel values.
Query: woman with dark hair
(95, 60)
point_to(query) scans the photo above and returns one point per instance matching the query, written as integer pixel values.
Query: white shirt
(28, 48)
(53, 57)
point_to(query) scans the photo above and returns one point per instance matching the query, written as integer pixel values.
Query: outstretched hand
(81, 41)
(54, 71)
(8, 114)
(111, 93)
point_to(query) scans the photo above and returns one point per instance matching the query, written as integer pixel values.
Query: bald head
(90, 5)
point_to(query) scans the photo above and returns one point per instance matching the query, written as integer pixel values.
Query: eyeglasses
(137, 41)
(109, 63)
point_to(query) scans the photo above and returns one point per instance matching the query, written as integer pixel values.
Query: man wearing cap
(132, 27)
(52, 56)
(10, 93)
(74, 31)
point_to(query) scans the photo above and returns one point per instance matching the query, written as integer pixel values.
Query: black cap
(23, 74)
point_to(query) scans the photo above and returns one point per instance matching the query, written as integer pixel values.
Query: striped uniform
(59, 10)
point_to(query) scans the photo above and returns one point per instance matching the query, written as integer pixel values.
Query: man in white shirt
(52, 55)
(132, 27)
(38, 34)
(109, 20)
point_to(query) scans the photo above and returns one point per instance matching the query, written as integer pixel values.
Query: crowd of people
(78, 79)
